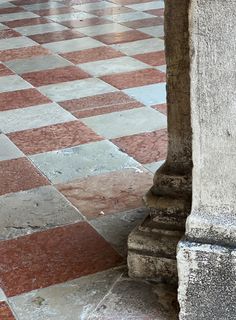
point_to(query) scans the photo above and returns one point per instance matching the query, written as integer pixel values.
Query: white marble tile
(17, 16)
(156, 31)
(154, 165)
(13, 83)
(73, 45)
(161, 68)
(103, 29)
(70, 16)
(147, 5)
(140, 46)
(43, 5)
(76, 89)
(130, 16)
(95, 6)
(2, 27)
(8, 150)
(15, 43)
(33, 117)
(111, 66)
(40, 28)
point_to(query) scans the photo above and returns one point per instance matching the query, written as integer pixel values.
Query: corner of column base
(207, 281)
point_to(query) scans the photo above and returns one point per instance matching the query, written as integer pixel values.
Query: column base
(207, 281)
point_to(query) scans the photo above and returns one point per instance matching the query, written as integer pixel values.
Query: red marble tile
(23, 53)
(54, 11)
(21, 99)
(18, 175)
(150, 22)
(93, 54)
(108, 193)
(5, 312)
(11, 10)
(53, 137)
(156, 12)
(110, 11)
(120, 37)
(100, 104)
(84, 23)
(53, 256)
(56, 36)
(25, 22)
(4, 71)
(8, 33)
(161, 107)
(135, 78)
(145, 147)
(152, 58)
(45, 77)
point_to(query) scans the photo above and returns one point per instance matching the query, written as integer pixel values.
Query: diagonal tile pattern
(82, 129)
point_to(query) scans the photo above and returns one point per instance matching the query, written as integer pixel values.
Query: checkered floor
(83, 128)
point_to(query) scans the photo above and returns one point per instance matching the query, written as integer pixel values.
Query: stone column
(152, 246)
(207, 255)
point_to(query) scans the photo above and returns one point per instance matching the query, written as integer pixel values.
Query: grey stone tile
(103, 29)
(2, 295)
(85, 160)
(149, 95)
(40, 28)
(17, 16)
(125, 123)
(115, 228)
(8, 150)
(33, 117)
(156, 31)
(37, 63)
(2, 27)
(34, 210)
(140, 46)
(161, 68)
(137, 300)
(153, 166)
(146, 5)
(73, 300)
(71, 16)
(73, 45)
(43, 5)
(111, 66)
(15, 43)
(76, 89)
(6, 4)
(95, 6)
(13, 83)
(130, 16)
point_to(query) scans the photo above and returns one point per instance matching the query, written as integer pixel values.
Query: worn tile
(119, 124)
(4, 71)
(149, 95)
(5, 312)
(73, 45)
(156, 58)
(146, 5)
(71, 16)
(40, 28)
(112, 192)
(161, 107)
(157, 31)
(85, 23)
(34, 210)
(53, 137)
(25, 22)
(93, 54)
(129, 16)
(111, 11)
(76, 89)
(103, 29)
(111, 66)
(46, 77)
(16, 42)
(70, 300)
(121, 37)
(22, 53)
(115, 228)
(8, 33)
(8, 150)
(17, 16)
(43, 5)
(140, 46)
(53, 256)
(54, 11)
(21, 99)
(12, 83)
(56, 36)
(19, 174)
(154, 166)
(89, 159)
(135, 299)
(145, 147)
(100, 104)
(155, 21)
(33, 117)
(37, 64)
(93, 6)
(135, 78)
